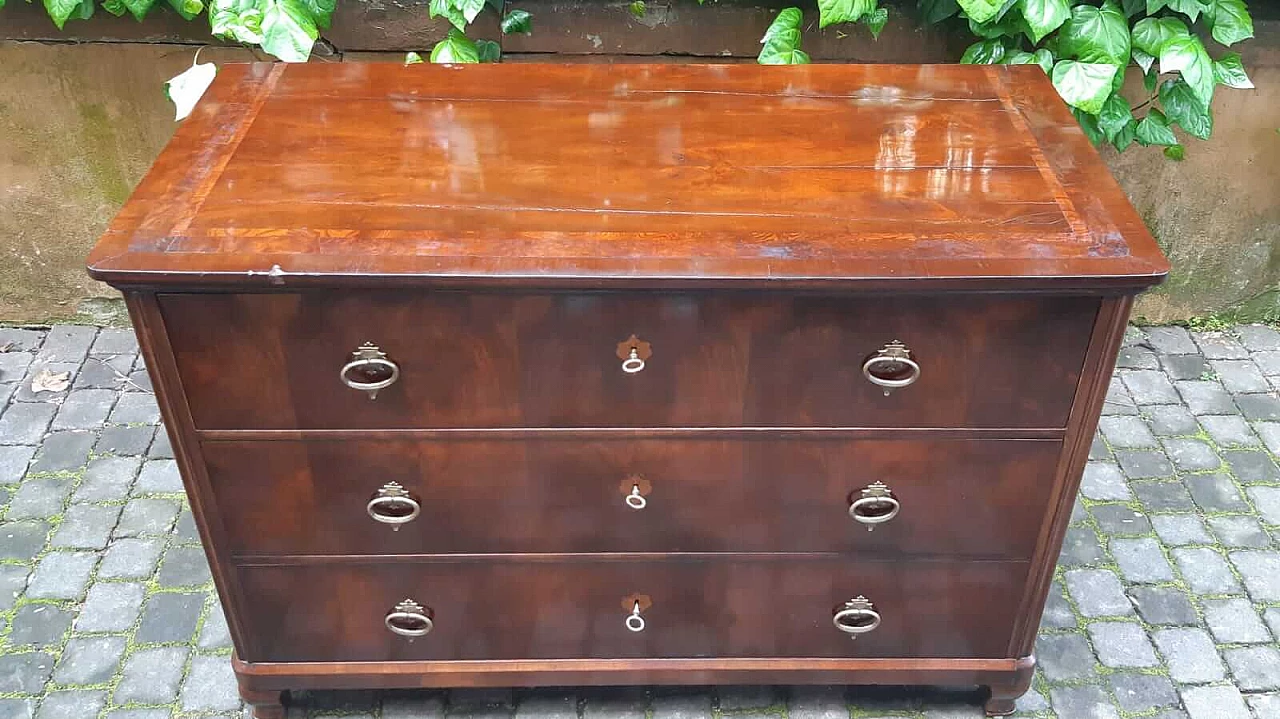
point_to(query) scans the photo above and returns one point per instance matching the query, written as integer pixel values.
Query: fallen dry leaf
(46, 381)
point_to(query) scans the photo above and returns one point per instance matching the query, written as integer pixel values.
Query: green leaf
(517, 21)
(1175, 153)
(1229, 71)
(1149, 80)
(1126, 136)
(980, 11)
(831, 12)
(1183, 107)
(782, 40)
(1084, 85)
(1154, 130)
(1041, 57)
(1115, 116)
(876, 20)
(1095, 35)
(489, 51)
(935, 11)
(983, 52)
(61, 10)
(1133, 7)
(456, 47)
(638, 9)
(1150, 34)
(1190, 8)
(1044, 16)
(470, 8)
(321, 11)
(1089, 124)
(1230, 21)
(139, 8)
(115, 7)
(1142, 59)
(239, 20)
(1188, 56)
(188, 9)
(412, 58)
(449, 11)
(288, 29)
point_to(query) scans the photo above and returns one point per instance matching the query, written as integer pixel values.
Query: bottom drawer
(567, 608)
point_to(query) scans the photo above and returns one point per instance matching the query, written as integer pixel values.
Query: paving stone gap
(1165, 605)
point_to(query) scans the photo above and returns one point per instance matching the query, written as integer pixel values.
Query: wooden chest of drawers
(524, 375)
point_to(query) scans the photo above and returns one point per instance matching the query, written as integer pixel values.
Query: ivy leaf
(1190, 8)
(469, 8)
(1126, 136)
(983, 52)
(1150, 34)
(980, 11)
(1089, 124)
(1188, 56)
(188, 9)
(876, 20)
(831, 12)
(412, 58)
(1041, 57)
(1115, 116)
(1154, 130)
(1044, 16)
(321, 11)
(1084, 85)
(449, 11)
(1149, 81)
(61, 10)
(115, 7)
(1142, 59)
(1183, 107)
(1175, 153)
(488, 50)
(1133, 7)
(638, 9)
(1229, 21)
(456, 47)
(1229, 71)
(935, 11)
(288, 29)
(239, 20)
(782, 40)
(517, 21)
(1096, 35)
(138, 8)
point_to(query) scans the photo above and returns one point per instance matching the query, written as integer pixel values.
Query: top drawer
(727, 359)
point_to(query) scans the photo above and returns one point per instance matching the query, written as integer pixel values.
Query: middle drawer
(574, 495)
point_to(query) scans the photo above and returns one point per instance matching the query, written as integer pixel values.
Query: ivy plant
(1085, 48)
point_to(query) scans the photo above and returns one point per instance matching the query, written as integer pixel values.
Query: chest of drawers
(544, 375)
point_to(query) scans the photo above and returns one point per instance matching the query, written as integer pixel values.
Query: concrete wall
(82, 114)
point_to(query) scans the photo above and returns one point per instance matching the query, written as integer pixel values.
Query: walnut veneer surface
(684, 374)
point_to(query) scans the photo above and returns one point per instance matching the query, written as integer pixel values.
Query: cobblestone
(1167, 604)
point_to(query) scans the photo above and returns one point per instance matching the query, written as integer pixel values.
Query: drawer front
(566, 609)
(273, 361)
(954, 497)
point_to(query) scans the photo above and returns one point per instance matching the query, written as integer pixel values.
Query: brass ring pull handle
(635, 500)
(634, 621)
(891, 367)
(392, 504)
(633, 352)
(369, 370)
(876, 505)
(409, 619)
(856, 616)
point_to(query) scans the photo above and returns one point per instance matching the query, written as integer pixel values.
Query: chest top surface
(805, 176)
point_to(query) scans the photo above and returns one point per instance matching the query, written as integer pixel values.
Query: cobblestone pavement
(1166, 602)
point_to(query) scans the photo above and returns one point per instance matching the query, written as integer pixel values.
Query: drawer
(954, 497)
(273, 361)
(578, 608)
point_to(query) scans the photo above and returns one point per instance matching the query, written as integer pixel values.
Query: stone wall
(82, 114)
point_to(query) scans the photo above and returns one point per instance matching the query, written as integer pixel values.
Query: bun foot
(1005, 693)
(266, 704)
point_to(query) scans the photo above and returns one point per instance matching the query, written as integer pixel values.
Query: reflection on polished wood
(582, 368)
